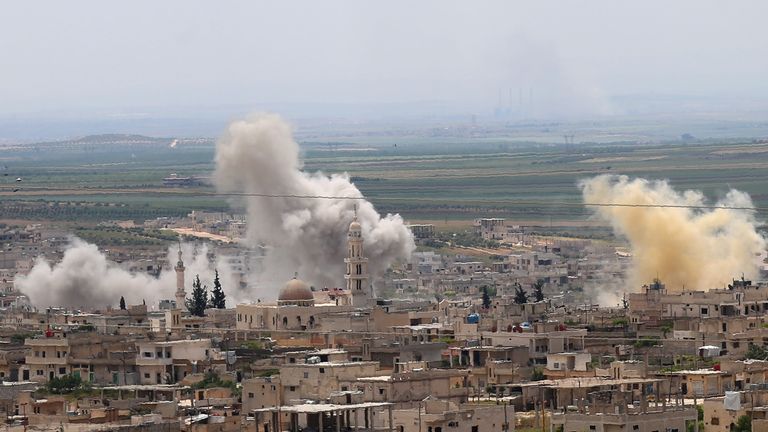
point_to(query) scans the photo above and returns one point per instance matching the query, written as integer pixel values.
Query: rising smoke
(86, 278)
(686, 248)
(259, 156)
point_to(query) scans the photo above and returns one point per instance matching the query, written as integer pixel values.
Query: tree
(756, 352)
(538, 290)
(122, 303)
(521, 297)
(486, 297)
(218, 299)
(743, 424)
(197, 304)
(698, 425)
(65, 384)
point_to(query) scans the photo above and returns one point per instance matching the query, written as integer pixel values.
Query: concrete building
(433, 415)
(169, 362)
(365, 416)
(317, 380)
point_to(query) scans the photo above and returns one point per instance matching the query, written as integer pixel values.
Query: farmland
(534, 183)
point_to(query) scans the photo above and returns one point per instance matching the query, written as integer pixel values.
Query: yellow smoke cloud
(692, 248)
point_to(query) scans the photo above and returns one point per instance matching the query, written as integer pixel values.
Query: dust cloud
(687, 248)
(301, 231)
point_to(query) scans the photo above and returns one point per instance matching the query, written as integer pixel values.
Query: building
(434, 415)
(422, 231)
(180, 294)
(356, 277)
(491, 228)
(169, 362)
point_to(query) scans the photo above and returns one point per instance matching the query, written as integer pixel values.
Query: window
(39, 372)
(715, 421)
(635, 427)
(43, 354)
(292, 388)
(474, 429)
(381, 391)
(592, 427)
(306, 375)
(62, 371)
(147, 354)
(322, 370)
(146, 375)
(556, 365)
(250, 395)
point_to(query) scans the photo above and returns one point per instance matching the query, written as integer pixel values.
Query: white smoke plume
(258, 155)
(697, 249)
(86, 278)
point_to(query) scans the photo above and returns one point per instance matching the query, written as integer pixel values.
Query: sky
(544, 58)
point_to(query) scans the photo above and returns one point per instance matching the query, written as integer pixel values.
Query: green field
(532, 183)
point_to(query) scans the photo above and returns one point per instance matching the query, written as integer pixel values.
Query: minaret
(357, 265)
(181, 295)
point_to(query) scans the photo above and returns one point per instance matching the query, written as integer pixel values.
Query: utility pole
(505, 426)
(419, 416)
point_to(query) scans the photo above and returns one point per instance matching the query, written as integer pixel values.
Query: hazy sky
(571, 56)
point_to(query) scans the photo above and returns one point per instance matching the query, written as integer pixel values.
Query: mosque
(298, 307)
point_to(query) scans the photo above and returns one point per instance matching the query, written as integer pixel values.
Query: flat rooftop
(310, 408)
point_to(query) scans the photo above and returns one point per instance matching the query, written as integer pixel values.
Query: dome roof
(296, 290)
(355, 225)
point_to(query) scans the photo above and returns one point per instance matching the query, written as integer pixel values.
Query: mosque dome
(296, 290)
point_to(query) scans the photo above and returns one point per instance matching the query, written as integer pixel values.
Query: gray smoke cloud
(685, 247)
(258, 155)
(86, 278)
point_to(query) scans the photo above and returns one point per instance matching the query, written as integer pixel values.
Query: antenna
(354, 207)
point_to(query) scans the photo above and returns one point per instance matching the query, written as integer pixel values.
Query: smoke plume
(685, 247)
(259, 156)
(86, 278)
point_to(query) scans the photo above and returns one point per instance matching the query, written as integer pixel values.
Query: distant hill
(107, 139)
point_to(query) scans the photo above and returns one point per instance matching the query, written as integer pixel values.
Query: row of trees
(521, 296)
(199, 302)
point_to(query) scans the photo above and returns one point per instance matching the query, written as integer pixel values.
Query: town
(392, 216)
(456, 344)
